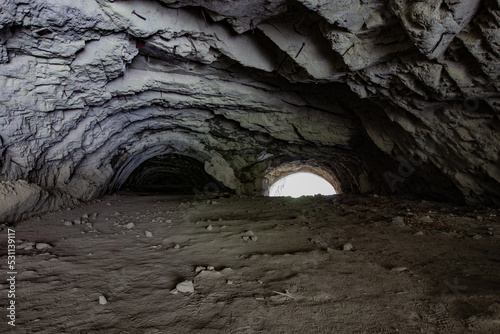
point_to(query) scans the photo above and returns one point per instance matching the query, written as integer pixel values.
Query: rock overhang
(91, 91)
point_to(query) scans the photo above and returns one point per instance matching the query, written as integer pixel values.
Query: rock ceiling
(390, 96)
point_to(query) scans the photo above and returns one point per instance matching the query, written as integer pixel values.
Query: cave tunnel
(141, 143)
(172, 174)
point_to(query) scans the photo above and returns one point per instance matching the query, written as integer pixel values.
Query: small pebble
(26, 246)
(185, 287)
(209, 228)
(148, 234)
(419, 233)
(102, 300)
(347, 247)
(177, 246)
(211, 268)
(229, 282)
(85, 216)
(399, 269)
(68, 223)
(226, 271)
(477, 236)
(43, 245)
(426, 219)
(398, 221)
(130, 225)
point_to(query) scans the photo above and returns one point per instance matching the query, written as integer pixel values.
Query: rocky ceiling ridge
(85, 80)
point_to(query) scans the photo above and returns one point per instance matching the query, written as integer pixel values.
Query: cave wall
(393, 96)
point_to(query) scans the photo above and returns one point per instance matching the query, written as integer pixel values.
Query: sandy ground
(258, 265)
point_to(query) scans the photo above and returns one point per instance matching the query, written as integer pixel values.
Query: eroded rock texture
(390, 96)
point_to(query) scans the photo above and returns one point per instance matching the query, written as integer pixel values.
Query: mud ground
(338, 264)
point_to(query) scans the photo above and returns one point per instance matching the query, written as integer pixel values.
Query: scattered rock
(249, 235)
(43, 245)
(210, 268)
(85, 216)
(185, 287)
(68, 223)
(347, 247)
(399, 269)
(229, 282)
(398, 221)
(102, 300)
(148, 234)
(259, 297)
(226, 271)
(130, 225)
(77, 221)
(419, 233)
(477, 236)
(200, 268)
(177, 246)
(26, 246)
(209, 228)
(425, 219)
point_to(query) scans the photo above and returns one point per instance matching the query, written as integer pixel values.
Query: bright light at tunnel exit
(301, 184)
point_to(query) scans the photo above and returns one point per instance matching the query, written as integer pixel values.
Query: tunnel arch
(276, 173)
(172, 173)
(127, 163)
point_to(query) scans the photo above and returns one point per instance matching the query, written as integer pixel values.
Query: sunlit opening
(301, 184)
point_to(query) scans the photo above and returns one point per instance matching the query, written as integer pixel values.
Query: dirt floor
(131, 263)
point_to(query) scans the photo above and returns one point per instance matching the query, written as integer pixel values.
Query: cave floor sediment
(337, 264)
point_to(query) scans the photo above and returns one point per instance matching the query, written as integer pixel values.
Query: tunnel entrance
(300, 178)
(301, 184)
(172, 174)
